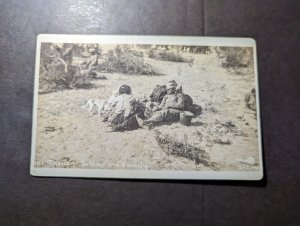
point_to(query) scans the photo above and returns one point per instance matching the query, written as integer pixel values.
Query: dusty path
(67, 133)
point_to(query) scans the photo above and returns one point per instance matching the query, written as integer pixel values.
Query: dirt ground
(68, 136)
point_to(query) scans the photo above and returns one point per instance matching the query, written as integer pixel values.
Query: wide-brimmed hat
(171, 84)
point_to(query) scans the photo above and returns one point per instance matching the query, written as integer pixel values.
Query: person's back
(124, 103)
(123, 118)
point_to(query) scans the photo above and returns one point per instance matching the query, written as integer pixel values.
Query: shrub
(235, 57)
(168, 56)
(127, 61)
(183, 149)
(56, 78)
(56, 68)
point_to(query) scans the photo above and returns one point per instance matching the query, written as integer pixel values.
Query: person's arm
(162, 104)
(179, 104)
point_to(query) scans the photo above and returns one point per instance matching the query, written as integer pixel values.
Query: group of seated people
(124, 112)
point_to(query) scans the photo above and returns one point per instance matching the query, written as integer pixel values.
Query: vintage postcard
(151, 107)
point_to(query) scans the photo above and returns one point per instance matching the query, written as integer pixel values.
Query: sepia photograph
(152, 107)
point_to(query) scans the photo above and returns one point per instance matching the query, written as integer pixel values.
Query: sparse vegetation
(168, 56)
(127, 61)
(183, 149)
(235, 57)
(226, 127)
(56, 69)
(55, 78)
(59, 71)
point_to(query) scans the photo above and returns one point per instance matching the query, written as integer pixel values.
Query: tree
(56, 67)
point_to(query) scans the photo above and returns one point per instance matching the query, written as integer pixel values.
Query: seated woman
(123, 115)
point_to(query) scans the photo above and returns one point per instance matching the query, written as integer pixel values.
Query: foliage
(183, 149)
(235, 57)
(168, 56)
(127, 61)
(56, 69)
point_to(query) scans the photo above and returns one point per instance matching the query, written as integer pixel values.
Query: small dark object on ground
(186, 118)
(49, 129)
(195, 109)
(222, 141)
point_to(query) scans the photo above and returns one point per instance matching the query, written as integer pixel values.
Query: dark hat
(125, 89)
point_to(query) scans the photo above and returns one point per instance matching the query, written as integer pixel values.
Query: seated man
(250, 100)
(170, 106)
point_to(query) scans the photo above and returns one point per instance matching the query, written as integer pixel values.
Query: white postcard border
(145, 174)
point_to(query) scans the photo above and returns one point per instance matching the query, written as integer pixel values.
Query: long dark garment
(119, 122)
